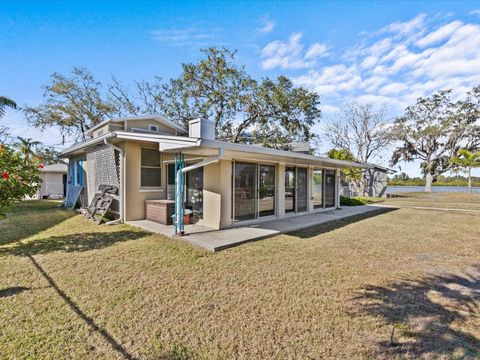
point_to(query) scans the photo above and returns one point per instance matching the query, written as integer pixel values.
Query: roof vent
(201, 128)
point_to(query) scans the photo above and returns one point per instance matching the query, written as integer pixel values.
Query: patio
(216, 240)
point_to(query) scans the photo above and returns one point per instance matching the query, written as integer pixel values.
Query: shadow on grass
(31, 217)
(337, 224)
(14, 290)
(71, 243)
(76, 309)
(427, 314)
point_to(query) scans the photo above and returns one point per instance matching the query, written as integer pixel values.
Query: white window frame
(151, 188)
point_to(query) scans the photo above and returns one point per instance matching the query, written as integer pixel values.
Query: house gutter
(122, 183)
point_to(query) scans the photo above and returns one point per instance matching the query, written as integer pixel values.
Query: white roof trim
(170, 143)
(275, 152)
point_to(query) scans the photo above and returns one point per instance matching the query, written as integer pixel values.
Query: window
(151, 172)
(153, 127)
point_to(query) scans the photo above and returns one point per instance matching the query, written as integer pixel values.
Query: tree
(467, 160)
(352, 175)
(18, 177)
(74, 104)
(433, 130)
(271, 112)
(4, 103)
(363, 131)
(27, 147)
(48, 155)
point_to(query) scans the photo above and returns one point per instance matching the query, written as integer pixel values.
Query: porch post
(280, 177)
(179, 185)
(337, 189)
(310, 189)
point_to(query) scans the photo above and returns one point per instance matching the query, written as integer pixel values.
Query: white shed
(54, 179)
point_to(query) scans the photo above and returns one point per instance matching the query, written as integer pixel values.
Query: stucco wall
(143, 124)
(135, 194)
(217, 194)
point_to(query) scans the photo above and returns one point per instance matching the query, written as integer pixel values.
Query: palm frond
(6, 102)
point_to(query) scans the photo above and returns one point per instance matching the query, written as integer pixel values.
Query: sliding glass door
(290, 182)
(253, 191)
(245, 184)
(329, 188)
(296, 189)
(193, 189)
(302, 189)
(266, 190)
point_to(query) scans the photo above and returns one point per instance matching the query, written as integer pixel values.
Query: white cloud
(401, 62)
(267, 27)
(189, 36)
(331, 79)
(441, 34)
(475, 12)
(316, 50)
(291, 54)
(407, 28)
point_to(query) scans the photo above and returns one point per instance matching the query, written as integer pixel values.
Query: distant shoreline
(476, 185)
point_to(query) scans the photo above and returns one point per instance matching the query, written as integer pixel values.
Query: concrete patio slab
(216, 240)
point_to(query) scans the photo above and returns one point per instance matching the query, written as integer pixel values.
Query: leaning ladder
(179, 188)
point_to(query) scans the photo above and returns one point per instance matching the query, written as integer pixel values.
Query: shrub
(18, 177)
(354, 201)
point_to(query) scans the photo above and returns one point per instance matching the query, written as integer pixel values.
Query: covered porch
(216, 240)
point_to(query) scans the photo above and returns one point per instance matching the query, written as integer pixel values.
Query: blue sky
(388, 53)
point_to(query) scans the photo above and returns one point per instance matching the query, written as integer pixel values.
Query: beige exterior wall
(135, 194)
(143, 124)
(217, 197)
(216, 188)
(101, 131)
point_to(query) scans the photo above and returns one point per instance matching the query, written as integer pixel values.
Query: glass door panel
(289, 189)
(329, 188)
(194, 193)
(266, 190)
(317, 186)
(170, 181)
(245, 191)
(301, 193)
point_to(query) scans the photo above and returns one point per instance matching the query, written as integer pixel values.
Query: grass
(404, 283)
(436, 200)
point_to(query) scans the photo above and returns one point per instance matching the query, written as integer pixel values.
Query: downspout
(122, 183)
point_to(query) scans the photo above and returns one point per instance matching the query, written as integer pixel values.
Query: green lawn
(71, 289)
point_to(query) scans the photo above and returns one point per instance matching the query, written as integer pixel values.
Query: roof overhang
(206, 147)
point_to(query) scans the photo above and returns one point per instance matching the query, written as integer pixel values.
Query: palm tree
(467, 160)
(6, 102)
(27, 147)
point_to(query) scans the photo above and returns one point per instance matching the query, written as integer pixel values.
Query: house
(54, 181)
(225, 183)
(376, 178)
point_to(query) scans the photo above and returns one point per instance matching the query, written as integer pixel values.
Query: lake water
(400, 189)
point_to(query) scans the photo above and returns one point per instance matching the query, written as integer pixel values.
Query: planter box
(160, 211)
